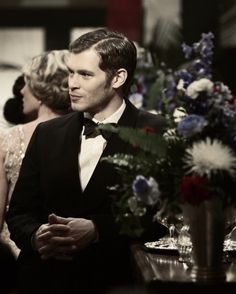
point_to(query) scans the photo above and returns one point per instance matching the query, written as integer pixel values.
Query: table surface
(156, 267)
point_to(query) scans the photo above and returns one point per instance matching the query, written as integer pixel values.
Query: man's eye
(86, 74)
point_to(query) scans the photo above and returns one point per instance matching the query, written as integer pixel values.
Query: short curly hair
(47, 77)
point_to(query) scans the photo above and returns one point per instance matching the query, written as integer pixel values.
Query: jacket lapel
(71, 149)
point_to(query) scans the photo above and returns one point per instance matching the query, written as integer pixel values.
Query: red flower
(148, 129)
(193, 189)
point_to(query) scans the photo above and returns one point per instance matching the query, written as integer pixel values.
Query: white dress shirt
(92, 148)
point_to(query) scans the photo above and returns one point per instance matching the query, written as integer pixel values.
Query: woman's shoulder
(12, 132)
(11, 140)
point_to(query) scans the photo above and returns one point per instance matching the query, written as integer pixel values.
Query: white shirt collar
(114, 118)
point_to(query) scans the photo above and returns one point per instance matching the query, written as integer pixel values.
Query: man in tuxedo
(60, 213)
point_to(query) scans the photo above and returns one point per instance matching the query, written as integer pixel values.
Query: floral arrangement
(194, 160)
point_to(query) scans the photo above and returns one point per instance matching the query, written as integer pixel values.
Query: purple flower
(207, 54)
(187, 50)
(197, 64)
(196, 46)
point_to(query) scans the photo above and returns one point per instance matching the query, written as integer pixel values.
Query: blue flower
(184, 75)
(147, 191)
(191, 125)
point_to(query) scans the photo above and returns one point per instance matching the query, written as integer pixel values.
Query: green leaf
(149, 142)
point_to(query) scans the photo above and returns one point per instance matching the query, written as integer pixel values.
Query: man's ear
(119, 78)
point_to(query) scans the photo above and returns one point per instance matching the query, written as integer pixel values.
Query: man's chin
(77, 107)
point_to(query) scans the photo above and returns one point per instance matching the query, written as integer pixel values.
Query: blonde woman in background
(45, 90)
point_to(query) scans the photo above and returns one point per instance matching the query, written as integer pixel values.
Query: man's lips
(74, 97)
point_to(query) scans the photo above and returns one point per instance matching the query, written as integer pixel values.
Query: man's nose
(73, 82)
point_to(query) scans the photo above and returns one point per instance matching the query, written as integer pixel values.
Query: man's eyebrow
(80, 71)
(84, 71)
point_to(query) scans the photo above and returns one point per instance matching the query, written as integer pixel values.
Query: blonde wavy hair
(47, 77)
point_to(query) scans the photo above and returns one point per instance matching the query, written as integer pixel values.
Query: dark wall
(200, 16)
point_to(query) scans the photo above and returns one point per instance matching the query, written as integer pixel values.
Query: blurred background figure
(45, 90)
(13, 107)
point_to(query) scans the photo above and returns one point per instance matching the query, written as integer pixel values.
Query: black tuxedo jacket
(49, 183)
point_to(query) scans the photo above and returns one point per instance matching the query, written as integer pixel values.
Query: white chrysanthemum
(210, 156)
(196, 87)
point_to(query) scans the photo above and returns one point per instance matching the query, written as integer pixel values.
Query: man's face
(88, 87)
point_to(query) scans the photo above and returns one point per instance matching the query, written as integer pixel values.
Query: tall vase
(206, 223)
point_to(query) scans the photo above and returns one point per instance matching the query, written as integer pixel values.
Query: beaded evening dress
(14, 148)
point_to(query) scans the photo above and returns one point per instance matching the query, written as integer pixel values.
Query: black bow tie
(91, 130)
